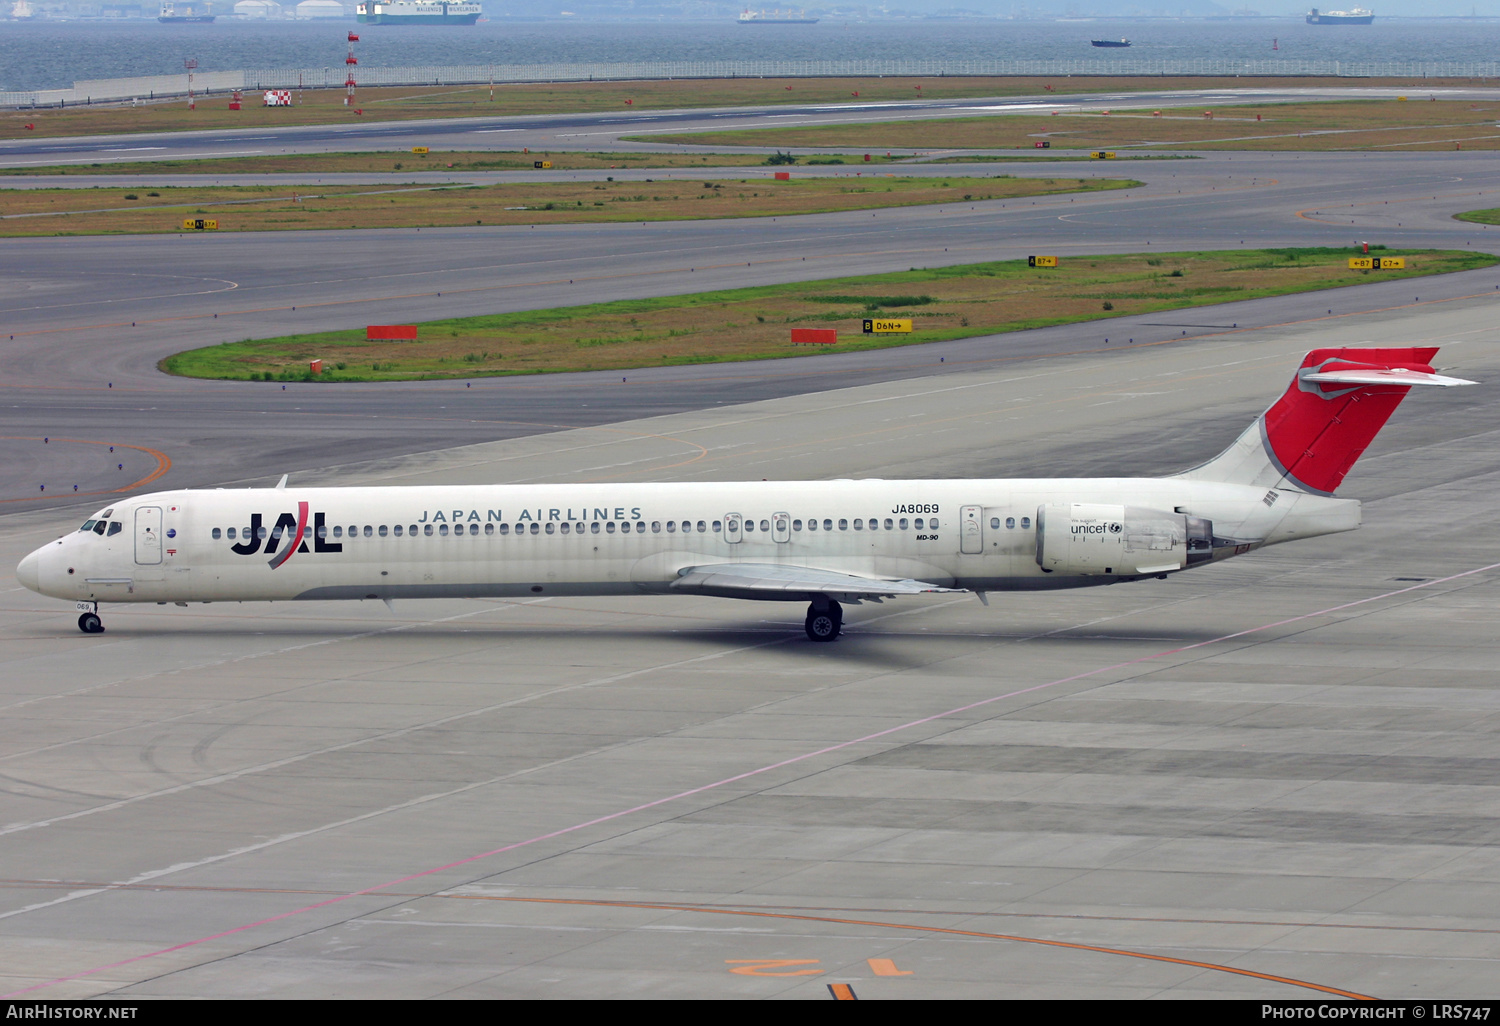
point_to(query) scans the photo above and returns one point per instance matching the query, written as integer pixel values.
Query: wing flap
(780, 580)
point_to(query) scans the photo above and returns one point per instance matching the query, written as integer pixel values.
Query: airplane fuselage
(514, 540)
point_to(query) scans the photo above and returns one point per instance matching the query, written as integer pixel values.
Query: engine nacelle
(1102, 538)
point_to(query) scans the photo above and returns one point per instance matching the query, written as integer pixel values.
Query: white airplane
(819, 542)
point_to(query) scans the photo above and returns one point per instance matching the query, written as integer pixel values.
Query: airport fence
(114, 90)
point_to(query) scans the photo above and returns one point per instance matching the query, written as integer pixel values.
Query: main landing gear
(824, 624)
(89, 621)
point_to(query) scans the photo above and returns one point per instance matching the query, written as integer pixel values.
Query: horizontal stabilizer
(1384, 376)
(779, 580)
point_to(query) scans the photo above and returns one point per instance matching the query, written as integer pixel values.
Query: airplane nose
(29, 572)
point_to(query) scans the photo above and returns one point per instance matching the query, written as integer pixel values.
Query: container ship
(1358, 16)
(777, 17)
(417, 12)
(190, 15)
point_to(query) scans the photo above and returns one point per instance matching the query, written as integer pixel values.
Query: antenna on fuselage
(281, 485)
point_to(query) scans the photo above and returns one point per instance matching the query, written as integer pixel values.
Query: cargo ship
(1109, 42)
(169, 15)
(776, 17)
(418, 12)
(1358, 16)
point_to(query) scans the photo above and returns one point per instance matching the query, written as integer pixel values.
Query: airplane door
(971, 530)
(732, 527)
(148, 535)
(781, 527)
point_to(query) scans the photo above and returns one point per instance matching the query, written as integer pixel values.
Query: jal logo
(291, 528)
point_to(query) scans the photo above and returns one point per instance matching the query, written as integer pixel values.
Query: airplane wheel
(90, 623)
(824, 626)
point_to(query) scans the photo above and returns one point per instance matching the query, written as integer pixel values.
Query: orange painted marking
(757, 966)
(163, 464)
(842, 992)
(1099, 949)
(886, 967)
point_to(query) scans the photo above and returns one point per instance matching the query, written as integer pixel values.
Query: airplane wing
(781, 581)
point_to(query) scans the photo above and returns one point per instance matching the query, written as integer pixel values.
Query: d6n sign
(881, 326)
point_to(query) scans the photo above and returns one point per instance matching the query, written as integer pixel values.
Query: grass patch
(281, 208)
(756, 323)
(1416, 124)
(1491, 216)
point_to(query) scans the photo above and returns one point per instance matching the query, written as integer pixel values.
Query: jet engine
(1102, 538)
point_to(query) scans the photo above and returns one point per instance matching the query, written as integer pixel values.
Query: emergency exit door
(971, 530)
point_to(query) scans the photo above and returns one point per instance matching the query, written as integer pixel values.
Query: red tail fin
(1336, 404)
(1334, 407)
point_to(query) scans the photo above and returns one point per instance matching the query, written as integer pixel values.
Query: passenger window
(718, 527)
(812, 525)
(229, 534)
(749, 525)
(903, 523)
(412, 530)
(656, 527)
(1025, 523)
(261, 533)
(427, 530)
(918, 524)
(796, 525)
(765, 525)
(536, 528)
(640, 527)
(216, 533)
(383, 531)
(442, 529)
(594, 527)
(671, 527)
(397, 530)
(504, 529)
(551, 528)
(994, 523)
(338, 532)
(369, 531)
(843, 525)
(566, 528)
(702, 527)
(1010, 523)
(859, 525)
(888, 524)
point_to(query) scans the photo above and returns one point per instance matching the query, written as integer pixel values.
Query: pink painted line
(746, 775)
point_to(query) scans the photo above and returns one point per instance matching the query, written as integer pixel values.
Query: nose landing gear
(824, 624)
(89, 621)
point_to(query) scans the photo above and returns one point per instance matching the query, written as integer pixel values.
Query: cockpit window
(115, 527)
(88, 525)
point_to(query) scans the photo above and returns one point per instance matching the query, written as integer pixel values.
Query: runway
(1271, 778)
(602, 130)
(673, 791)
